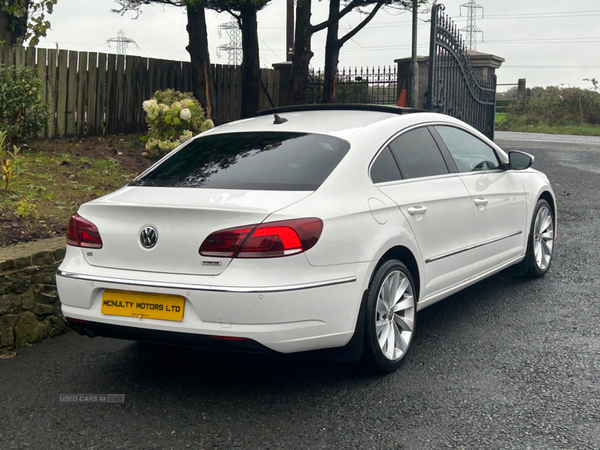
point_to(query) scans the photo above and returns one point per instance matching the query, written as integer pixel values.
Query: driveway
(509, 363)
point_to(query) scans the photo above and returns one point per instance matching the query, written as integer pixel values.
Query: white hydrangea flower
(187, 135)
(185, 114)
(149, 104)
(207, 125)
(165, 145)
(151, 144)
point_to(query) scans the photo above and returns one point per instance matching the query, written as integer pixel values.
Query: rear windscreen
(255, 161)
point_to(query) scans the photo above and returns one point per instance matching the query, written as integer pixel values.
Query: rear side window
(384, 168)
(418, 154)
(469, 153)
(253, 160)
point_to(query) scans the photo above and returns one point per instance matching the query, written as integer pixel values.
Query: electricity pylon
(122, 42)
(471, 29)
(234, 47)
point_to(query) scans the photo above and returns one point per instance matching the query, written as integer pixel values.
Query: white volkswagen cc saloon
(312, 227)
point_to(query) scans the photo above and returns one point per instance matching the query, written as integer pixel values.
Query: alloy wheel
(395, 315)
(543, 238)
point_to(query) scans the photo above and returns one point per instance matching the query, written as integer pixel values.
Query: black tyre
(540, 246)
(390, 317)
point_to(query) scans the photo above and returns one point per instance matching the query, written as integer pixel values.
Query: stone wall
(29, 304)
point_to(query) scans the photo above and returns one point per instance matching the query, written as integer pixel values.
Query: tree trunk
(6, 36)
(11, 28)
(302, 55)
(332, 54)
(250, 62)
(203, 83)
(334, 44)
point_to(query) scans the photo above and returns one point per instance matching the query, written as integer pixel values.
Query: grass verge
(576, 130)
(54, 177)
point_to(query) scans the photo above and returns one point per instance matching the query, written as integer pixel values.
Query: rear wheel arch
(390, 316)
(406, 256)
(353, 351)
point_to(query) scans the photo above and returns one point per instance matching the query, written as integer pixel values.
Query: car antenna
(279, 120)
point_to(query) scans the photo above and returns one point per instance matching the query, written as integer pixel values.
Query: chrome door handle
(481, 201)
(417, 210)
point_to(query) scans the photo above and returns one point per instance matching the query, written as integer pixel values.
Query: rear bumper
(94, 329)
(287, 319)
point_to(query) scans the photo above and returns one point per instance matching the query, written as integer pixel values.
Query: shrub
(21, 113)
(28, 211)
(555, 106)
(173, 118)
(8, 160)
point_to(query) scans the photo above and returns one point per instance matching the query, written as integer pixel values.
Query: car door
(497, 195)
(412, 171)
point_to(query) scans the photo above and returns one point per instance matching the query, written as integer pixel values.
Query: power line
(569, 66)
(269, 48)
(576, 40)
(546, 15)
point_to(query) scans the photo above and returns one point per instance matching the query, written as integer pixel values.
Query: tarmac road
(509, 363)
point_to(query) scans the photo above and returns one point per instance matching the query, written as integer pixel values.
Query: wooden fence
(93, 94)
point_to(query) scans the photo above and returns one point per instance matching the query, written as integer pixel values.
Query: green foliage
(173, 118)
(554, 106)
(595, 83)
(233, 6)
(8, 160)
(21, 113)
(27, 19)
(28, 211)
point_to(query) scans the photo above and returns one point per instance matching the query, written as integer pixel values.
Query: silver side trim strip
(472, 247)
(197, 287)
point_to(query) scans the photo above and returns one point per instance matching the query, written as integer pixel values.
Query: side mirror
(520, 160)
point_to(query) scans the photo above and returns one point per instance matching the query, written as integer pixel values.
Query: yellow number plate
(142, 305)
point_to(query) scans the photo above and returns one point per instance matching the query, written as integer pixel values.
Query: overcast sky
(548, 42)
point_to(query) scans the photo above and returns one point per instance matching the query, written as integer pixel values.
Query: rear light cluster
(82, 233)
(266, 240)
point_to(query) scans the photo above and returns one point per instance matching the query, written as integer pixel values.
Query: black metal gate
(455, 88)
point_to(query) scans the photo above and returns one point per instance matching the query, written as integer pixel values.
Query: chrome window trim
(480, 172)
(414, 180)
(197, 287)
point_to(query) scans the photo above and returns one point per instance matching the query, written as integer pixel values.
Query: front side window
(250, 160)
(469, 153)
(418, 154)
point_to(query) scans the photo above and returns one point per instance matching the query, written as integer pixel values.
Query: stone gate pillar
(484, 63)
(285, 72)
(404, 76)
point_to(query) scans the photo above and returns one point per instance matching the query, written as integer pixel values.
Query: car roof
(362, 125)
(336, 120)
